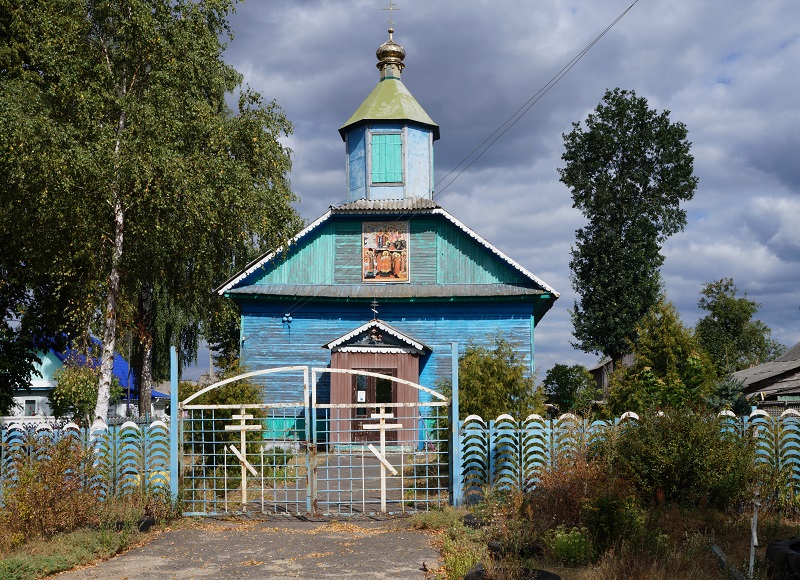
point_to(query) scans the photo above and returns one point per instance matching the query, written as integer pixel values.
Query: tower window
(387, 158)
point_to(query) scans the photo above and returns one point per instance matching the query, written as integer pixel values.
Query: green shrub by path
(460, 547)
(569, 547)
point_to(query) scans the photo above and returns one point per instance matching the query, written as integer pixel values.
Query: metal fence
(308, 456)
(508, 454)
(291, 465)
(127, 457)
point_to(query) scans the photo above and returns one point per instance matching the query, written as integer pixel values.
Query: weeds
(55, 515)
(568, 547)
(460, 546)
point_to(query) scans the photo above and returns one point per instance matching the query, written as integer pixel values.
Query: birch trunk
(146, 341)
(110, 330)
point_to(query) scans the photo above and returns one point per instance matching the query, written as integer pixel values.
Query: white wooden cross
(381, 455)
(241, 453)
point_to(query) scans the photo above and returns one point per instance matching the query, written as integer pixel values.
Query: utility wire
(519, 113)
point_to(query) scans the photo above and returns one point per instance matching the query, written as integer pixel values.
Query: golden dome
(390, 53)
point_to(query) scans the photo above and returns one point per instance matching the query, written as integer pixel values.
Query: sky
(728, 69)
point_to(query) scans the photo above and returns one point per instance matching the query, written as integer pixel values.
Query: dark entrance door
(368, 394)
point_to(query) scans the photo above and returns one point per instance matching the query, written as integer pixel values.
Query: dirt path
(276, 549)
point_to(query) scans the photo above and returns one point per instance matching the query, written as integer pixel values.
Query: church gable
(379, 248)
(377, 336)
(463, 260)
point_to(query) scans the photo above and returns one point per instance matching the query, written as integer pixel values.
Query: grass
(40, 558)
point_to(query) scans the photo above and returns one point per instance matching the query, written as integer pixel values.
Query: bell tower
(389, 139)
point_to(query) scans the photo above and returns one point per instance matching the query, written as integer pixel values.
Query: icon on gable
(385, 252)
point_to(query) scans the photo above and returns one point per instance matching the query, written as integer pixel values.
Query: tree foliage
(571, 388)
(210, 434)
(670, 367)
(728, 332)
(728, 395)
(494, 379)
(628, 171)
(75, 393)
(119, 145)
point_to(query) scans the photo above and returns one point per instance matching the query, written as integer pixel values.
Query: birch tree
(176, 189)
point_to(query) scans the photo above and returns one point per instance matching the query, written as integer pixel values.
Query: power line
(519, 113)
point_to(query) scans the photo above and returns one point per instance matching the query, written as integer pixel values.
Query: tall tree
(628, 171)
(165, 187)
(670, 367)
(728, 332)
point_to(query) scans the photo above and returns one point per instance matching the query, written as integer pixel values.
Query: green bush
(682, 456)
(569, 547)
(75, 394)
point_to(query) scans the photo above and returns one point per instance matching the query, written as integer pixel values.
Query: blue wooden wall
(417, 163)
(268, 342)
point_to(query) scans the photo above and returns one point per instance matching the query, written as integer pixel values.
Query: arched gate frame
(307, 457)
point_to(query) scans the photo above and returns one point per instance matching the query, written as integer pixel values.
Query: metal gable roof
(779, 375)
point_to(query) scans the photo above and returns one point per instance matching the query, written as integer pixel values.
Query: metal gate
(308, 457)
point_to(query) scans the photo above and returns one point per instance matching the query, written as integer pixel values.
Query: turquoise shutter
(387, 159)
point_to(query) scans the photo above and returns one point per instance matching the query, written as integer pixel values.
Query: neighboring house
(602, 372)
(387, 280)
(774, 384)
(33, 405)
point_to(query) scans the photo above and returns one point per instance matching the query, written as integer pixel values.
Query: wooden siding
(347, 264)
(422, 250)
(311, 261)
(270, 343)
(406, 367)
(357, 164)
(419, 182)
(462, 260)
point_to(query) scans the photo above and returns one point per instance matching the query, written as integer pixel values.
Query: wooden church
(388, 280)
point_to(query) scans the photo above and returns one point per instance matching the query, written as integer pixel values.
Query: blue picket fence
(126, 456)
(506, 454)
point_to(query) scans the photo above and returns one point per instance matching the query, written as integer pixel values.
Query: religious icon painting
(384, 252)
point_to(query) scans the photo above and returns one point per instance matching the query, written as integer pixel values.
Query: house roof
(778, 377)
(377, 336)
(390, 100)
(121, 369)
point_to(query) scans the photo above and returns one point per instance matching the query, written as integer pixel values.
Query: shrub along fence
(506, 454)
(127, 456)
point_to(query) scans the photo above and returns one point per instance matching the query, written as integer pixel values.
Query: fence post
(456, 467)
(173, 423)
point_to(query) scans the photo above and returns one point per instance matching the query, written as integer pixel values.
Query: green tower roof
(390, 100)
